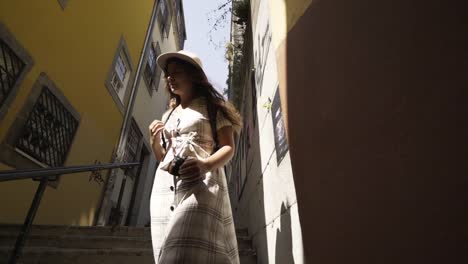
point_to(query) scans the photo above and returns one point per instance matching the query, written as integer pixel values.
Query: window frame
(54, 137)
(8, 38)
(180, 21)
(14, 157)
(132, 172)
(152, 82)
(120, 98)
(164, 17)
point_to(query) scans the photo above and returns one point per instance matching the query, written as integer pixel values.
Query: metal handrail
(44, 174)
(11, 175)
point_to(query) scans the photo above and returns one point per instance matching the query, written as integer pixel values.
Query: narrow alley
(317, 132)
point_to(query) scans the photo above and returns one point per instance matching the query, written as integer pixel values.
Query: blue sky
(198, 40)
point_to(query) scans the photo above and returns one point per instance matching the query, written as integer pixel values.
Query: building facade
(134, 189)
(260, 176)
(372, 95)
(68, 69)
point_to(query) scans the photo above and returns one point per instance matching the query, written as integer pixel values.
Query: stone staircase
(90, 245)
(93, 245)
(247, 254)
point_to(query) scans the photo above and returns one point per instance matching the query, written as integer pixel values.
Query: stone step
(53, 230)
(248, 259)
(40, 255)
(242, 231)
(79, 241)
(244, 243)
(50, 244)
(247, 254)
(49, 255)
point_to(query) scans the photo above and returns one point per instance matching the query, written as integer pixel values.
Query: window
(152, 58)
(162, 7)
(152, 71)
(281, 143)
(254, 99)
(49, 130)
(10, 69)
(120, 76)
(164, 18)
(180, 23)
(15, 63)
(133, 147)
(43, 131)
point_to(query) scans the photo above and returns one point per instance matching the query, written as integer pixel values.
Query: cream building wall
(267, 205)
(148, 107)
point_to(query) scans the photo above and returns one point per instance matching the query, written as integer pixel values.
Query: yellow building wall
(75, 47)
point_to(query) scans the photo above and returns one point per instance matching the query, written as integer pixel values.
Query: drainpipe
(104, 209)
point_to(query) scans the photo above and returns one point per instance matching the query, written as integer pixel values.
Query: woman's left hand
(193, 168)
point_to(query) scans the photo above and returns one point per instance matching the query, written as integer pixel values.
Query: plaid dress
(191, 222)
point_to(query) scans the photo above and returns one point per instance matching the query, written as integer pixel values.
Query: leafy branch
(238, 10)
(219, 19)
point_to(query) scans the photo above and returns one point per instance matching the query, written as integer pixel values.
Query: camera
(176, 163)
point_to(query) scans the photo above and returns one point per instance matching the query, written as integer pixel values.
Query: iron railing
(44, 176)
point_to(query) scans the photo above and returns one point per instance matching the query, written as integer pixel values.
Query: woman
(191, 217)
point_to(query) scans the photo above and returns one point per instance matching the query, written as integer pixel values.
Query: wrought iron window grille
(10, 70)
(49, 130)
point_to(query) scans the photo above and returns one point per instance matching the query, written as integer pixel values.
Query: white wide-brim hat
(184, 55)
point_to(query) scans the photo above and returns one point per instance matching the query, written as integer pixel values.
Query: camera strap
(164, 144)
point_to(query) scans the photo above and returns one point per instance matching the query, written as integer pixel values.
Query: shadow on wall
(249, 209)
(251, 205)
(260, 240)
(384, 82)
(284, 246)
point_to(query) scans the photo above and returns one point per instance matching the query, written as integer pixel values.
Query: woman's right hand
(155, 130)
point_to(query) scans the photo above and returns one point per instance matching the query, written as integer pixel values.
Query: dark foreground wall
(378, 127)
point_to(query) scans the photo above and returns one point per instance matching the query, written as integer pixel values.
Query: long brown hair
(202, 87)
